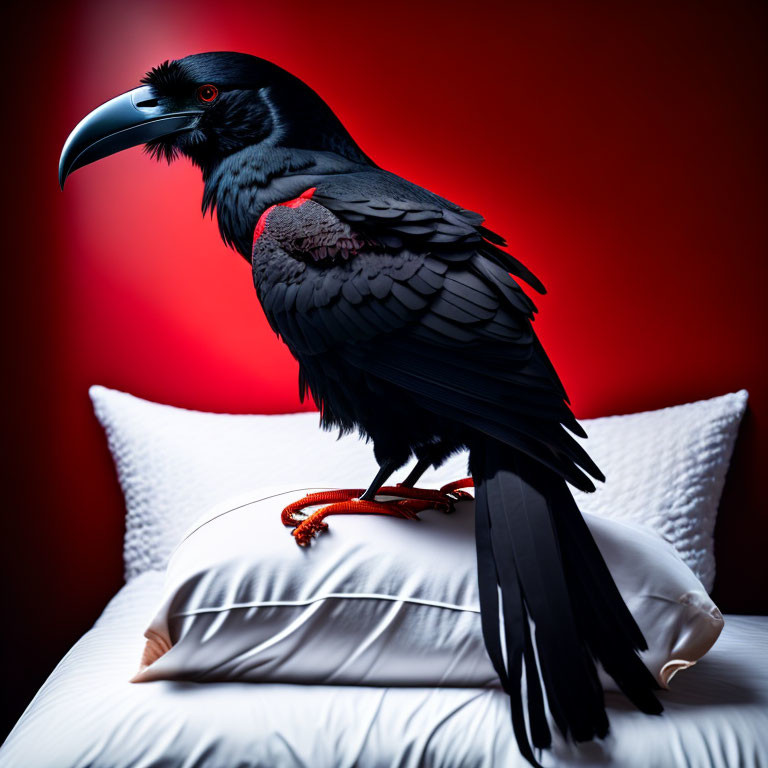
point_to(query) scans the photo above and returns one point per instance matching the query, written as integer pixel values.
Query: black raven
(408, 325)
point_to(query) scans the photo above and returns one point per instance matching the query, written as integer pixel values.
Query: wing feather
(441, 316)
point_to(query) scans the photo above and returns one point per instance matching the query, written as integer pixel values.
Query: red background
(621, 148)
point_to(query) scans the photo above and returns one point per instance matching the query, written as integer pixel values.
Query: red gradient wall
(621, 148)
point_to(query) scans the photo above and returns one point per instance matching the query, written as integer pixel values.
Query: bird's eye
(207, 93)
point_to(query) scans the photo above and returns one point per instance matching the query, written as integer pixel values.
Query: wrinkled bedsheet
(88, 714)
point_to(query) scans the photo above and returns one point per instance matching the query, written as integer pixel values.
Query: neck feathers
(242, 186)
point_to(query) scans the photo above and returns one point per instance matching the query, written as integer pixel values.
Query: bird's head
(207, 107)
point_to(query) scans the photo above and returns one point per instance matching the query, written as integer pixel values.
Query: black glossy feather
(420, 334)
(409, 326)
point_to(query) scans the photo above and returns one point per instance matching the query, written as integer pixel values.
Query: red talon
(313, 499)
(306, 529)
(453, 488)
(408, 503)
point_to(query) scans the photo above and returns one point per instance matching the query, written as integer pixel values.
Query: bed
(89, 714)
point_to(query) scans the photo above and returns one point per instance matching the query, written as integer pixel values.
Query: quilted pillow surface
(665, 469)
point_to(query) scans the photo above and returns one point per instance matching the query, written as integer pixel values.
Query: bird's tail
(533, 544)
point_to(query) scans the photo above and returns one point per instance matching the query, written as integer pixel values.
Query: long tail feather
(533, 543)
(600, 608)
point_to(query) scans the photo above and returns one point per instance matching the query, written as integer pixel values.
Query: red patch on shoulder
(295, 203)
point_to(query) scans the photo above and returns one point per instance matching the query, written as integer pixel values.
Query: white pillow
(379, 601)
(664, 468)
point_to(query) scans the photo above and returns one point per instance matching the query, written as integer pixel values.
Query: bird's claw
(407, 503)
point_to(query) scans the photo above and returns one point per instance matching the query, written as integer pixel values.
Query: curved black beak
(132, 118)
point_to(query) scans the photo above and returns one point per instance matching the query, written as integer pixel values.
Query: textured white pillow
(379, 601)
(664, 468)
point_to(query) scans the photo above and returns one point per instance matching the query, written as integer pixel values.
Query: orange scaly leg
(406, 504)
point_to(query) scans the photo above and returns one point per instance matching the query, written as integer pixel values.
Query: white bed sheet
(87, 714)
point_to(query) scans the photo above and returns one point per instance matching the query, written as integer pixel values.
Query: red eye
(207, 93)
